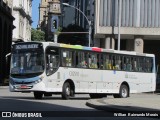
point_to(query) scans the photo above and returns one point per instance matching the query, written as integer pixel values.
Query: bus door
(52, 65)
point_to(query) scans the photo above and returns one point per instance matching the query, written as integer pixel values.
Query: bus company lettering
(31, 46)
(130, 76)
(84, 75)
(73, 73)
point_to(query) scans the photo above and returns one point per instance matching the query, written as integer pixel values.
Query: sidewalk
(136, 103)
(4, 87)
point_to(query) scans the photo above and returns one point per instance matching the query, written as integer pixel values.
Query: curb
(117, 108)
(126, 110)
(107, 108)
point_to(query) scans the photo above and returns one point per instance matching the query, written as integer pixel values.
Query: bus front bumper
(27, 87)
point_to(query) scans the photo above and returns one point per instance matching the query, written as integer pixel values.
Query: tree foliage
(37, 35)
(74, 39)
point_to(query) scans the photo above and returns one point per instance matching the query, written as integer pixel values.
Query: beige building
(9, 3)
(43, 11)
(21, 10)
(140, 22)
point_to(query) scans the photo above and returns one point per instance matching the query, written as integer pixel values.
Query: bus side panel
(146, 82)
(107, 82)
(74, 74)
(118, 78)
(93, 77)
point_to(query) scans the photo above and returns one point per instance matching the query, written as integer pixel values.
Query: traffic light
(54, 23)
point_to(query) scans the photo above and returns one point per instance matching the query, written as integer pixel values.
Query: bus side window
(113, 62)
(64, 55)
(118, 63)
(134, 64)
(108, 62)
(101, 62)
(105, 61)
(145, 64)
(81, 60)
(140, 65)
(67, 57)
(52, 60)
(93, 61)
(124, 66)
(149, 65)
(129, 65)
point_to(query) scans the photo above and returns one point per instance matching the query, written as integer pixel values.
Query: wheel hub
(68, 91)
(124, 92)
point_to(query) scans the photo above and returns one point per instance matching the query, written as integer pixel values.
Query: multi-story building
(139, 25)
(6, 27)
(43, 11)
(69, 15)
(22, 13)
(73, 16)
(9, 3)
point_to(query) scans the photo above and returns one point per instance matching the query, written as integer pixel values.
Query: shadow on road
(51, 110)
(47, 98)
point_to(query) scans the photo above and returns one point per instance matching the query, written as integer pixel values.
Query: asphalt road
(52, 107)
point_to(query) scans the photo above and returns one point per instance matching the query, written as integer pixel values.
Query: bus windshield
(27, 63)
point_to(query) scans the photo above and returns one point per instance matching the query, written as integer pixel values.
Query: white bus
(47, 68)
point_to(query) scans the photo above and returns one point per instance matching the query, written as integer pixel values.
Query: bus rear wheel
(38, 95)
(66, 93)
(123, 93)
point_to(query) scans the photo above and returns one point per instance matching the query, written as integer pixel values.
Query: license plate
(23, 87)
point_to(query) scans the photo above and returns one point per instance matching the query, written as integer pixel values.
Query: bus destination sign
(26, 46)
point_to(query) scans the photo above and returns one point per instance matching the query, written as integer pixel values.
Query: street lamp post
(119, 25)
(89, 22)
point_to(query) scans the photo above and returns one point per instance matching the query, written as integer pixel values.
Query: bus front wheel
(123, 93)
(38, 95)
(66, 93)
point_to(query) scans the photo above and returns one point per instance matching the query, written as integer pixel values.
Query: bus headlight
(40, 79)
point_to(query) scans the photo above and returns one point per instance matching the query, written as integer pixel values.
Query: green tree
(37, 35)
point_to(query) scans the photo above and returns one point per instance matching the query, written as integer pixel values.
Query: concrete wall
(138, 18)
(22, 12)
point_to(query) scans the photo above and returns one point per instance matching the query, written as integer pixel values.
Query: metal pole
(90, 31)
(55, 38)
(119, 25)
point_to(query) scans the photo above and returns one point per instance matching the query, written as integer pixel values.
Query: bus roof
(96, 49)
